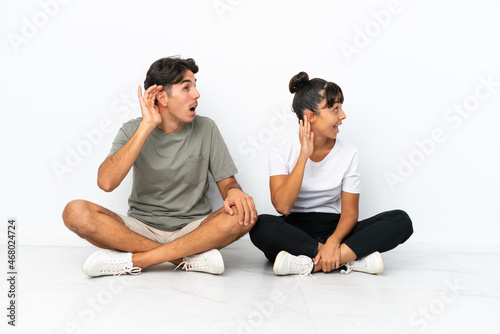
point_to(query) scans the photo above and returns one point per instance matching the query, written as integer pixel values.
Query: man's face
(183, 99)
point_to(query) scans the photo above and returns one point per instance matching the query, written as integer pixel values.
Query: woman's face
(327, 121)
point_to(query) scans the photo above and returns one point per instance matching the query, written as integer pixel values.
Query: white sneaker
(371, 264)
(288, 264)
(208, 262)
(108, 262)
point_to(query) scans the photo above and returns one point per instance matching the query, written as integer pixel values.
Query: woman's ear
(311, 117)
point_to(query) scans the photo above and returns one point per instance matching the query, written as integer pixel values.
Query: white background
(70, 71)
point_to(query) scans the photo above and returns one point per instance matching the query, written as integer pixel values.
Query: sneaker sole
(381, 261)
(220, 269)
(277, 261)
(89, 260)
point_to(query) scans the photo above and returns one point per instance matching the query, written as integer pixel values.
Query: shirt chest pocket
(196, 169)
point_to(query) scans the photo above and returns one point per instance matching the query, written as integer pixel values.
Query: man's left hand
(247, 214)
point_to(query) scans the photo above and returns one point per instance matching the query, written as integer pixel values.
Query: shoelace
(356, 264)
(193, 261)
(301, 266)
(131, 271)
(119, 267)
(307, 272)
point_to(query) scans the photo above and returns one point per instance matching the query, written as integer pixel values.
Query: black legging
(299, 233)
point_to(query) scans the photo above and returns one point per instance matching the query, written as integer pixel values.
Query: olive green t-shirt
(170, 175)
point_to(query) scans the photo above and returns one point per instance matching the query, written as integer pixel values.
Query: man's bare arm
(114, 169)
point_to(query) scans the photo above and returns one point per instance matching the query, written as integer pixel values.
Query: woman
(315, 185)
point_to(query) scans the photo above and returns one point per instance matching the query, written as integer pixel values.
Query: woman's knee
(262, 224)
(262, 232)
(403, 222)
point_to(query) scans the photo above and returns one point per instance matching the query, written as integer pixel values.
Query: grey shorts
(158, 235)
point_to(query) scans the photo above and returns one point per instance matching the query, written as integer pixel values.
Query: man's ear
(162, 98)
(310, 116)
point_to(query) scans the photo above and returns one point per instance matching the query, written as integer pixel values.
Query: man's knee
(233, 223)
(74, 215)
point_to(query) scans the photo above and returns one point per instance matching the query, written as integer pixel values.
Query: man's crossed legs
(105, 229)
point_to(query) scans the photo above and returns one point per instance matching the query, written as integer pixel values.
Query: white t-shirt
(323, 181)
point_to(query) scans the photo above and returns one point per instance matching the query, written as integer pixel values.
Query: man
(171, 150)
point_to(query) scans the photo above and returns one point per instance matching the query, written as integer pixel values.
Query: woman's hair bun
(298, 81)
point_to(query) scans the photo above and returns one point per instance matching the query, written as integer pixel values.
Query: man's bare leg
(217, 231)
(104, 228)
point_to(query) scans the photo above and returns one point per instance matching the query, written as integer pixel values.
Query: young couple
(314, 182)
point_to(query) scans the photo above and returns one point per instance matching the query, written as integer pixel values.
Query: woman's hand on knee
(329, 255)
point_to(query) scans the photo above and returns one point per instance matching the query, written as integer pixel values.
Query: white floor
(419, 292)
